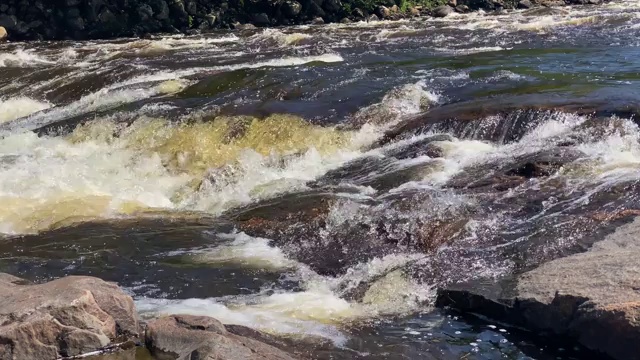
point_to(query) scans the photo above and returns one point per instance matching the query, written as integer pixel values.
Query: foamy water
(318, 310)
(14, 108)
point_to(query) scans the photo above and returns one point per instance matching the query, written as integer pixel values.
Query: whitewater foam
(14, 108)
(318, 309)
(23, 58)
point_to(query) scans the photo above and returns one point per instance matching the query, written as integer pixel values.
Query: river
(320, 182)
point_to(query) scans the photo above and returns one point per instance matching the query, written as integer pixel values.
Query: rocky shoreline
(80, 316)
(99, 19)
(591, 297)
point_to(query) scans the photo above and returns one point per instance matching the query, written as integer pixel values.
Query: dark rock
(591, 297)
(145, 12)
(4, 7)
(345, 21)
(462, 9)
(316, 11)
(358, 14)
(8, 22)
(317, 21)
(261, 19)
(71, 3)
(75, 23)
(191, 7)
(509, 174)
(67, 317)
(525, 4)
(478, 4)
(161, 10)
(373, 18)
(204, 338)
(332, 5)
(442, 11)
(544, 11)
(291, 8)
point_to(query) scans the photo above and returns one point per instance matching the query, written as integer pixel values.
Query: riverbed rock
(204, 338)
(525, 4)
(3, 34)
(442, 11)
(64, 317)
(592, 297)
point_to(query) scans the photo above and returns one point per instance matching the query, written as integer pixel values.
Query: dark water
(322, 182)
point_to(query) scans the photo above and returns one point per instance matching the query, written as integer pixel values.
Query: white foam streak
(23, 58)
(14, 108)
(246, 250)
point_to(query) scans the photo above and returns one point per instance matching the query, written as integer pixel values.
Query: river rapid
(321, 182)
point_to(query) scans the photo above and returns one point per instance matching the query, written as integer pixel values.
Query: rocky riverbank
(79, 315)
(592, 297)
(99, 19)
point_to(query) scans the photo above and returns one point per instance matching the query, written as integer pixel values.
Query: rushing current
(320, 182)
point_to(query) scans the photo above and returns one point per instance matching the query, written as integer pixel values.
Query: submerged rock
(64, 317)
(204, 338)
(504, 175)
(591, 297)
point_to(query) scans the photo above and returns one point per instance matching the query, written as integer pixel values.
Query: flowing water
(320, 182)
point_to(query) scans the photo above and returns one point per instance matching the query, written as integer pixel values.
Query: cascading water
(321, 182)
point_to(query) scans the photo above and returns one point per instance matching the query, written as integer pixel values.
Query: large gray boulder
(187, 337)
(64, 317)
(593, 297)
(442, 11)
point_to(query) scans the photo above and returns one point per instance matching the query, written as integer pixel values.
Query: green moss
(190, 21)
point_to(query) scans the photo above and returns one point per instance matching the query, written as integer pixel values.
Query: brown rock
(592, 297)
(414, 11)
(204, 338)
(3, 34)
(64, 317)
(383, 12)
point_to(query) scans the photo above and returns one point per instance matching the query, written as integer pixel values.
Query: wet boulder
(525, 4)
(591, 297)
(260, 19)
(442, 11)
(204, 338)
(64, 317)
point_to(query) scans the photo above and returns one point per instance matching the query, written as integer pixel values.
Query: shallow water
(323, 181)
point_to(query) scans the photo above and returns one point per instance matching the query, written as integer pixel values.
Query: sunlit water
(286, 179)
